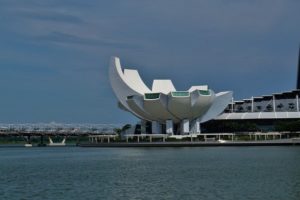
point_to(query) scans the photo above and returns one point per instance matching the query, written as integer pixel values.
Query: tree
(249, 108)
(258, 108)
(291, 106)
(269, 107)
(240, 109)
(280, 106)
(126, 127)
(117, 131)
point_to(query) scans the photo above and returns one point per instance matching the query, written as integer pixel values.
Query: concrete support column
(143, 127)
(156, 127)
(185, 127)
(169, 127)
(195, 126)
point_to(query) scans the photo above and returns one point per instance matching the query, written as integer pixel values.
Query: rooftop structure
(282, 105)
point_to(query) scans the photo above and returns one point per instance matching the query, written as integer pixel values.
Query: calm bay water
(145, 173)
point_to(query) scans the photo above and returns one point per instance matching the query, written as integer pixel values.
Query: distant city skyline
(54, 55)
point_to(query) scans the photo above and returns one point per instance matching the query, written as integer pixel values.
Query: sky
(54, 54)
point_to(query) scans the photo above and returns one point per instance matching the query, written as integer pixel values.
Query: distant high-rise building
(298, 78)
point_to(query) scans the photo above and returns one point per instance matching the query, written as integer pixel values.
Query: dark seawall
(286, 142)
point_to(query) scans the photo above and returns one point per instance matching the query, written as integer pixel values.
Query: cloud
(72, 39)
(52, 16)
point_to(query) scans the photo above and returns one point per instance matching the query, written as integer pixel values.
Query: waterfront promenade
(104, 135)
(278, 142)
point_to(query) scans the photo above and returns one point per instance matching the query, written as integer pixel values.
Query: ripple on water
(157, 173)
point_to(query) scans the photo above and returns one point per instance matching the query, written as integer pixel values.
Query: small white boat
(222, 141)
(28, 145)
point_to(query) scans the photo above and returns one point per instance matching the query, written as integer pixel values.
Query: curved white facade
(163, 103)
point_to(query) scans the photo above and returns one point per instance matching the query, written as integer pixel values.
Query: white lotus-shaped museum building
(169, 111)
